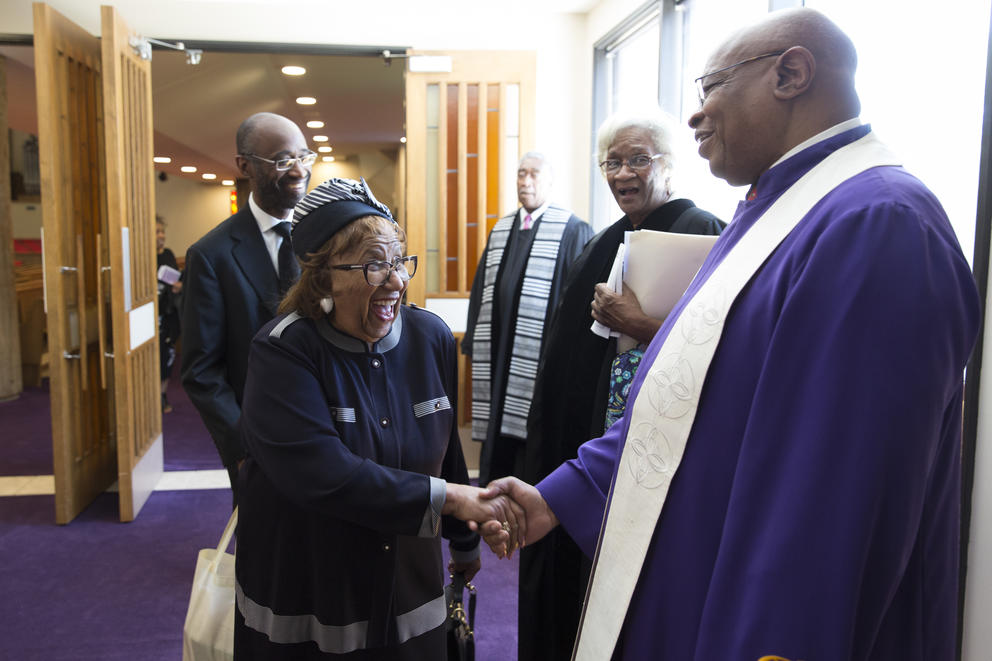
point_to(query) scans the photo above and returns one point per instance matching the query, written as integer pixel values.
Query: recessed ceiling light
(320, 138)
(327, 159)
(227, 182)
(403, 139)
(292, 70)
(324, 149)
(188, 168)
(315, 124)
(209, 175)
(162, 159)
(306, 100)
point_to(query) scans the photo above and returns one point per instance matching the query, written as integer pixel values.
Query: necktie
(288, 268)
(527, 221)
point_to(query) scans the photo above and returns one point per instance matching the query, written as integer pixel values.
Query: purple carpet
(27, 434)
(102, 590)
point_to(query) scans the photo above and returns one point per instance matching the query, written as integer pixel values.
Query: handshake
(508, 513)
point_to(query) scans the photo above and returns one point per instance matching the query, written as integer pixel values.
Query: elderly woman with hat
(353, 458)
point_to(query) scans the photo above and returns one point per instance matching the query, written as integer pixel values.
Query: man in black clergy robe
(517, 284)
(236, 275)
(635, 155)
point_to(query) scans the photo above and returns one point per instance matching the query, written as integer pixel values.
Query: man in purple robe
(814, 514)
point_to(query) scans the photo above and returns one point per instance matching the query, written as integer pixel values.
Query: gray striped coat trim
(531, 312)
(332, 639)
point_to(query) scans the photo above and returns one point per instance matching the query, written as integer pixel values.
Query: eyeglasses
(377, 273)
(284, 164)
(636, 162)
(703, 91)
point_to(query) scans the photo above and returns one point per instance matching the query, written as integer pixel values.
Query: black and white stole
(531, 312)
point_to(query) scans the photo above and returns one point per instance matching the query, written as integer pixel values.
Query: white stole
(661, 417)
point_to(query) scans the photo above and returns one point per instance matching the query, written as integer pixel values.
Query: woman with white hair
(634, 153)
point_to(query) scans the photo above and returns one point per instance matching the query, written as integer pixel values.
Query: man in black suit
(236, 275)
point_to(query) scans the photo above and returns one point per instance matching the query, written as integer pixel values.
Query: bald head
(262, 122)
(262, 140)
(769, 87)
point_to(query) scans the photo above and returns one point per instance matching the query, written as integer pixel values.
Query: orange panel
(492, 157)
(472, 166)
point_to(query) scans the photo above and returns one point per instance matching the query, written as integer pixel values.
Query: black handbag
(460, 625)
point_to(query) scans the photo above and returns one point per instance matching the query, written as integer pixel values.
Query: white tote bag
(208, 634)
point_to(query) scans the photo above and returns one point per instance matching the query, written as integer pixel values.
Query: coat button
(384, 422)
(376, 362)
(385, 547)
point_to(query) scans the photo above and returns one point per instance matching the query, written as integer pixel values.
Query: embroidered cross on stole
(663, 413)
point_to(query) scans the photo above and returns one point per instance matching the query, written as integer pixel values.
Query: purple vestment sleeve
(577, 491)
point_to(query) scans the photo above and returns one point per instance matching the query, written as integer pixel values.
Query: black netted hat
(328, 208)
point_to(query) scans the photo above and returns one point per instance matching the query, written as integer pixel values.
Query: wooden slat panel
(416, 181)
(68, 76)
(131, 206)
(455, 167)
(478, 240)
(460, 238)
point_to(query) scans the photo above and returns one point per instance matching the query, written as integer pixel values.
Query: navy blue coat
(337, 545)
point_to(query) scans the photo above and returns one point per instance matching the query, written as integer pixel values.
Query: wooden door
(95, 144)
(73, 173)
(130, 232)
(466, 130)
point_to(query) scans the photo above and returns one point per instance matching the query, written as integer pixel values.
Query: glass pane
(432, 270)
(909, 104)
(471, 257)
(451, 219)
(635, 69)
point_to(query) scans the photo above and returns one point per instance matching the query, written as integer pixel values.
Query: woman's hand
(476, 506)
(538, 515)
(622, 313)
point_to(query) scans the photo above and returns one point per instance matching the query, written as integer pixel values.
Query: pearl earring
(327, 304)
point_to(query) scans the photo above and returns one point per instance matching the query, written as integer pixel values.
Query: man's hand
(622, 312)
(476, 506)
(540, 520)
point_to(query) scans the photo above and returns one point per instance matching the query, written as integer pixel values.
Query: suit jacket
(231, 291)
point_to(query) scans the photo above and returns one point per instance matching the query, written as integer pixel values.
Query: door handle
(100, 321)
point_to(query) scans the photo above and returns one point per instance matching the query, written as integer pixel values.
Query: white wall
(190, 209)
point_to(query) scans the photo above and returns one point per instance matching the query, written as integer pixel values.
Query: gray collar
(354, 345)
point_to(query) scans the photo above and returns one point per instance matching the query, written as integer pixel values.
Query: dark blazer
(231, 290)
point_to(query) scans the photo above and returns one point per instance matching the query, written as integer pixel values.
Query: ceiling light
(315, 124)
(209, 176)
(162, 159)
(324, 149)
(327, 159)
(306, 100)
(227, 182)
(320, 138)
(403, 139)
(188, 168)
(293, 70)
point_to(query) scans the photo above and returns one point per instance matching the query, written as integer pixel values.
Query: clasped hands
(508, 513)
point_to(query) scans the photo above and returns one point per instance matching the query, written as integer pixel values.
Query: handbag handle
(225, 539)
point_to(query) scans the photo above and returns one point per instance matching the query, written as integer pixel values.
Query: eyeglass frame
(701, 93)
(391, 267)
(310, 155)
(626, 161)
